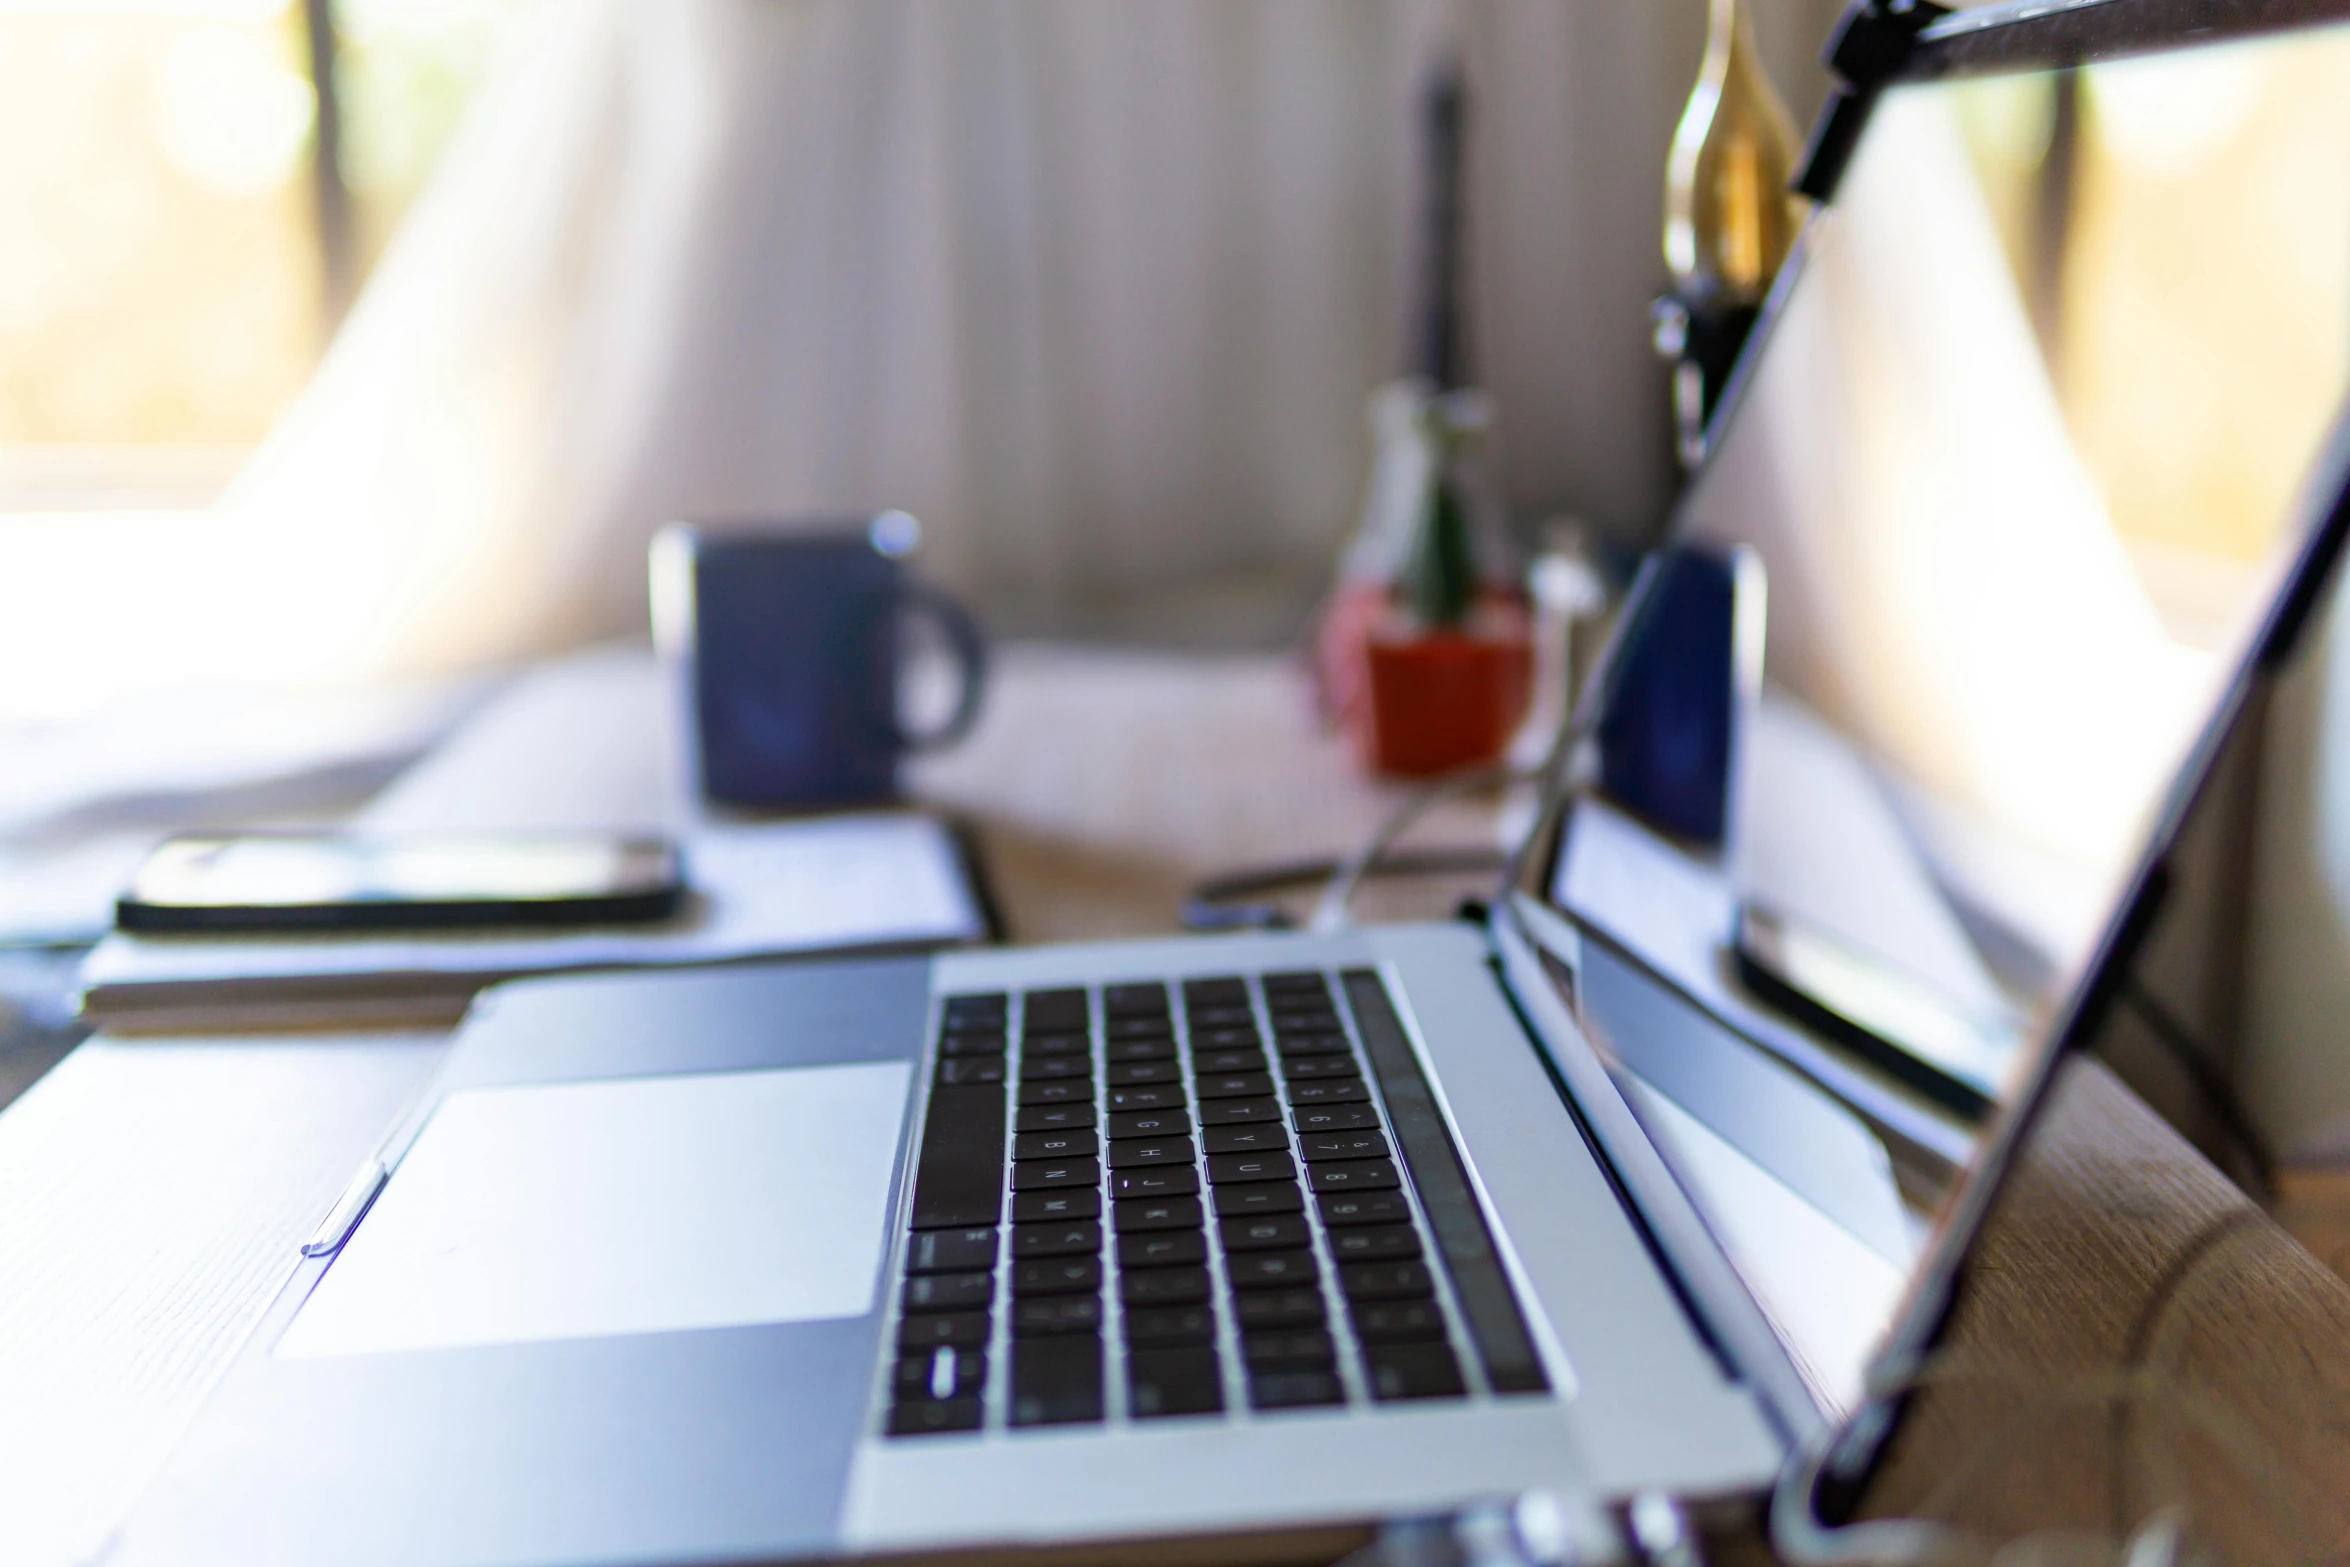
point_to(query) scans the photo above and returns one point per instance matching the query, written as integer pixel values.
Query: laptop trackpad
(643, 1205)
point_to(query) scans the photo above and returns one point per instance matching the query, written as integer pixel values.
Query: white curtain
(1096, 290)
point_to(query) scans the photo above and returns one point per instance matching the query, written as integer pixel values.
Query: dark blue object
(1665, 739)
(795, 663)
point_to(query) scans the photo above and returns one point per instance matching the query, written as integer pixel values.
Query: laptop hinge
(1868, 49)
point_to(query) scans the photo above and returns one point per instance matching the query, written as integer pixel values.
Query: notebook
(582, 744)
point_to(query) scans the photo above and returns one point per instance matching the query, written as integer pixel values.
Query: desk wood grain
(153, 1196)
(2134, 1336)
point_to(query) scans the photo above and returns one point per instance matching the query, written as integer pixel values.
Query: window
(195, 187)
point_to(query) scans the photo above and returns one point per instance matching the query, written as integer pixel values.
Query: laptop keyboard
(1198, 1224)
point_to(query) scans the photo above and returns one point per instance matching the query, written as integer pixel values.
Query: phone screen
(323, 880)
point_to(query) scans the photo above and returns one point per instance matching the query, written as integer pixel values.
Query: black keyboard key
(1303, 1022)
(1230, 1169)
(1054, 1118)
(1058, 1091)
(1163, 1286)
(1163, 1382)
(1259, 1197)
(1290, 1308)
(1238, 1037)
(1412, 1371)
(1162, 1249)
(1291, 1349)
(1238, 1112)
(1154, 1027)
(1361, 1143)
(1312, 1045)
(978, 1007)
(1041, 1069)
(1270, 1232)
(1315, 1069)
(1158, 1213)
(966, 1071)
(1056, 1381)
(1038, 1174)
(1056, 1276)
(1219, 1062)
(951, 1251)
(1121, 1051)
(1398, 1321)
(1046, 1316)
(1296, 982)
(1256, 1137)
(1159, 1325)
(933, 1416)
(1036, 1047)
(1336, 1118)
(1376, 1243)
(971, 1045)
(1163, 1180)
(1155, 1096)
(943, 1373)
(1281, 994)
(1384, 1281)
(1218, 1019)
(1073, 1238)
(1349, 1090)
(950, 1292)
(1131, 1000)
(1135, 1152)
(957, 1329)
(1256, 1270)
(1150, 1123)
(1138, 1074)
(1054, 1009)
(1294, 1389)
(959, 1181)
(1054, 1203)
(1216, 989)
(1055, 1145)
(1232, 1085)
(1360, 1175)
(1365, 1208)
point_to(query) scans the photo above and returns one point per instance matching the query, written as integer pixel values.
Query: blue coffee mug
(790, 646)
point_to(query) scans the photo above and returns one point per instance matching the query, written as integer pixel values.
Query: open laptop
(2032, 471)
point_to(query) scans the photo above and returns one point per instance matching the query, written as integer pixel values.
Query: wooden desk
(153, 1193)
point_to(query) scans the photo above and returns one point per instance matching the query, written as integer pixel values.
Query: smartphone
(1955, 1054)
(319, 882)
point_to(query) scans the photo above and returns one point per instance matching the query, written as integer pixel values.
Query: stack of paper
(883, 882)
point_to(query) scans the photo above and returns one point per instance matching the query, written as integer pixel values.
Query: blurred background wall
(1098, 292)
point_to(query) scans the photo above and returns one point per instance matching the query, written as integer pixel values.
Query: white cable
(1330, 910)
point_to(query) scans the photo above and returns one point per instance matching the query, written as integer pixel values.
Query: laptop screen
(2039, 419)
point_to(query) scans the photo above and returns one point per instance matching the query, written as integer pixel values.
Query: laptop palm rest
(622, 1206)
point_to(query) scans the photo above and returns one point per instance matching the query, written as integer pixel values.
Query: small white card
(641, 1205)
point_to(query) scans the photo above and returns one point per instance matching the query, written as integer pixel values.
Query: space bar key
(960, 1180)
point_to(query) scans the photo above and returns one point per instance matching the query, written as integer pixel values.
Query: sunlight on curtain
(1096, 291)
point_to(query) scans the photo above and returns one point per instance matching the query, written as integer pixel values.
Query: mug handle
(970, 645)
